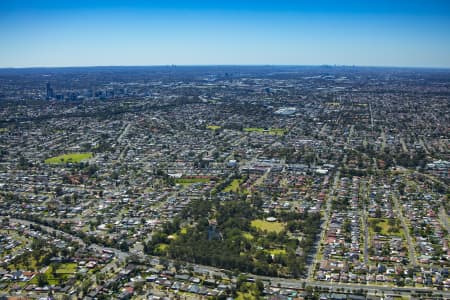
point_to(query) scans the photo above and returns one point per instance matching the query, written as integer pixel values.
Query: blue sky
(90, 33)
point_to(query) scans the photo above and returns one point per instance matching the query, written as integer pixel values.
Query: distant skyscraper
(49, 91)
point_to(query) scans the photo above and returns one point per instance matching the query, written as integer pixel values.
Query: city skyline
(115, 33)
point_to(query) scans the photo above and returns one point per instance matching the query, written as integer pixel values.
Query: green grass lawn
(248, 236)
(68, 268)
(213, 127)
(268, 226)
(253, 129)
(277, 131)
(4, 129)
(385, 227)
(69, 158)
(162, 247)
(277, 251)
(60, 275)
(175, 236)
(189, 181)
(272, 131)
(234, 186)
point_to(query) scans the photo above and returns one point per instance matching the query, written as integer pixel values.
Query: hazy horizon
(222, 65)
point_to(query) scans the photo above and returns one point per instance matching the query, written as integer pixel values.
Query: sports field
(69, 158)
(268, 226)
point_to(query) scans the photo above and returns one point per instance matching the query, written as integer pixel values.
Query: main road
(119, 254)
